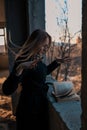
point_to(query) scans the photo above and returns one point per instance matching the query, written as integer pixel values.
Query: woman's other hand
(63, 60)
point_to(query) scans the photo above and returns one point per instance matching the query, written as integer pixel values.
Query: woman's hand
(30, 64)
(26, 65)
(63, 60)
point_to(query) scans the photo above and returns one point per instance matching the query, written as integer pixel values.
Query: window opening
(3, 41)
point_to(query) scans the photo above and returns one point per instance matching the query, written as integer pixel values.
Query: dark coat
(32, 109)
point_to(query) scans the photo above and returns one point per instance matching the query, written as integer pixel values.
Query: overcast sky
(53, 10)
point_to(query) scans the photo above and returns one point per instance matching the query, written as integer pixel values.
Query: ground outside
(7, 120)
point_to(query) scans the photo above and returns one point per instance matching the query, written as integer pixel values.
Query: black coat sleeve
(11, 83)
(52, 66)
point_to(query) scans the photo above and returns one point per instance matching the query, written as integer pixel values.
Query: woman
(31, 72)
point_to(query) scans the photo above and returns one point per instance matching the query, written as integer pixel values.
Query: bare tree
(64, 48)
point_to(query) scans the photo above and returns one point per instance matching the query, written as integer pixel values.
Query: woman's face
(44, 48)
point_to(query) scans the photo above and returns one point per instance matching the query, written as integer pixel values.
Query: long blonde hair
(32, 45)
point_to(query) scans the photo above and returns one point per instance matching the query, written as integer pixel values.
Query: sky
(53, 10)
(75, 11)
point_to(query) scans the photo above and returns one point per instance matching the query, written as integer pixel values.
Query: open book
(64, 91)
